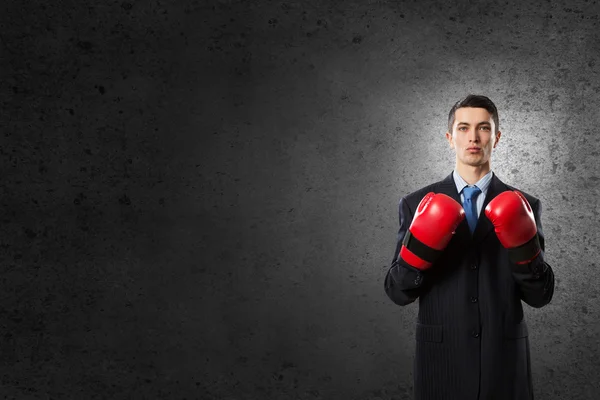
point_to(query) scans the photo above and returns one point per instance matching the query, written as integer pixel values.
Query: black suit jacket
(471, 339)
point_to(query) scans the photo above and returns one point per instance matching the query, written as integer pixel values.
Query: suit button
(418, 280)
(473, 299)
(475, 333)
(473, 266)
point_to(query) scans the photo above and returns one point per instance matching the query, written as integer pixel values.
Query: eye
(487, 128)
(462, 128)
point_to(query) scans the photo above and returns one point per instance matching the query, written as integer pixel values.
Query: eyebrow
(481, 123)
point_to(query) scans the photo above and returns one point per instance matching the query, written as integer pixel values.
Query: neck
(472, 173)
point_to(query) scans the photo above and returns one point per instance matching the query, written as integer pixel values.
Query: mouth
(473, 149)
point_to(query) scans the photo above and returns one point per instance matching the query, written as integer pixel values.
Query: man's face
(472, 136)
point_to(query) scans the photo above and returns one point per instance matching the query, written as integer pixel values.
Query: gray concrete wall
(199, 201)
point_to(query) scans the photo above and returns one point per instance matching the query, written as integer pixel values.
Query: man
(471, 248)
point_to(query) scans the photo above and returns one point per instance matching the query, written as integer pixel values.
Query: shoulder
(534, 201)
(413, 199)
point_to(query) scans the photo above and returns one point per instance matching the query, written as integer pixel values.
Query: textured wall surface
(199, 199)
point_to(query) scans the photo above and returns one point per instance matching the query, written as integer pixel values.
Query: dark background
(200, 199)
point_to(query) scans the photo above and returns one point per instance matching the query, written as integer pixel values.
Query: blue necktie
(470, 205)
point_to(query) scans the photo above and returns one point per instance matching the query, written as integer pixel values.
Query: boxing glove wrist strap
(420, 249)
(526, 251)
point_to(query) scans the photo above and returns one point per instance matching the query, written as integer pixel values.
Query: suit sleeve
(403, 283)
(535, 279)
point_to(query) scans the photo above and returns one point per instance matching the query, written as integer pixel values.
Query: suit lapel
(448, 187)
(484, 225)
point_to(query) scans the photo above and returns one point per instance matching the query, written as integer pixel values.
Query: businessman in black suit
(470, 271)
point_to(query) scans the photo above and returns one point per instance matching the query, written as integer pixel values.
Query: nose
(473, 135)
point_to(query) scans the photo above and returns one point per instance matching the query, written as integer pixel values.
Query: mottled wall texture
(200, 199)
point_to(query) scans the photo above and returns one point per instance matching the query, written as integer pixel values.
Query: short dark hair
(473, 100)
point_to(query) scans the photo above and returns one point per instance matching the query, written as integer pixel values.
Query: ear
(497, 138)
(449, 138)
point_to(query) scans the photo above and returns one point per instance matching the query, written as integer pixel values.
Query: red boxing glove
(433, 225)
(515, 226)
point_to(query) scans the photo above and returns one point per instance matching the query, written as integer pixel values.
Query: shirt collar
(483, 184)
